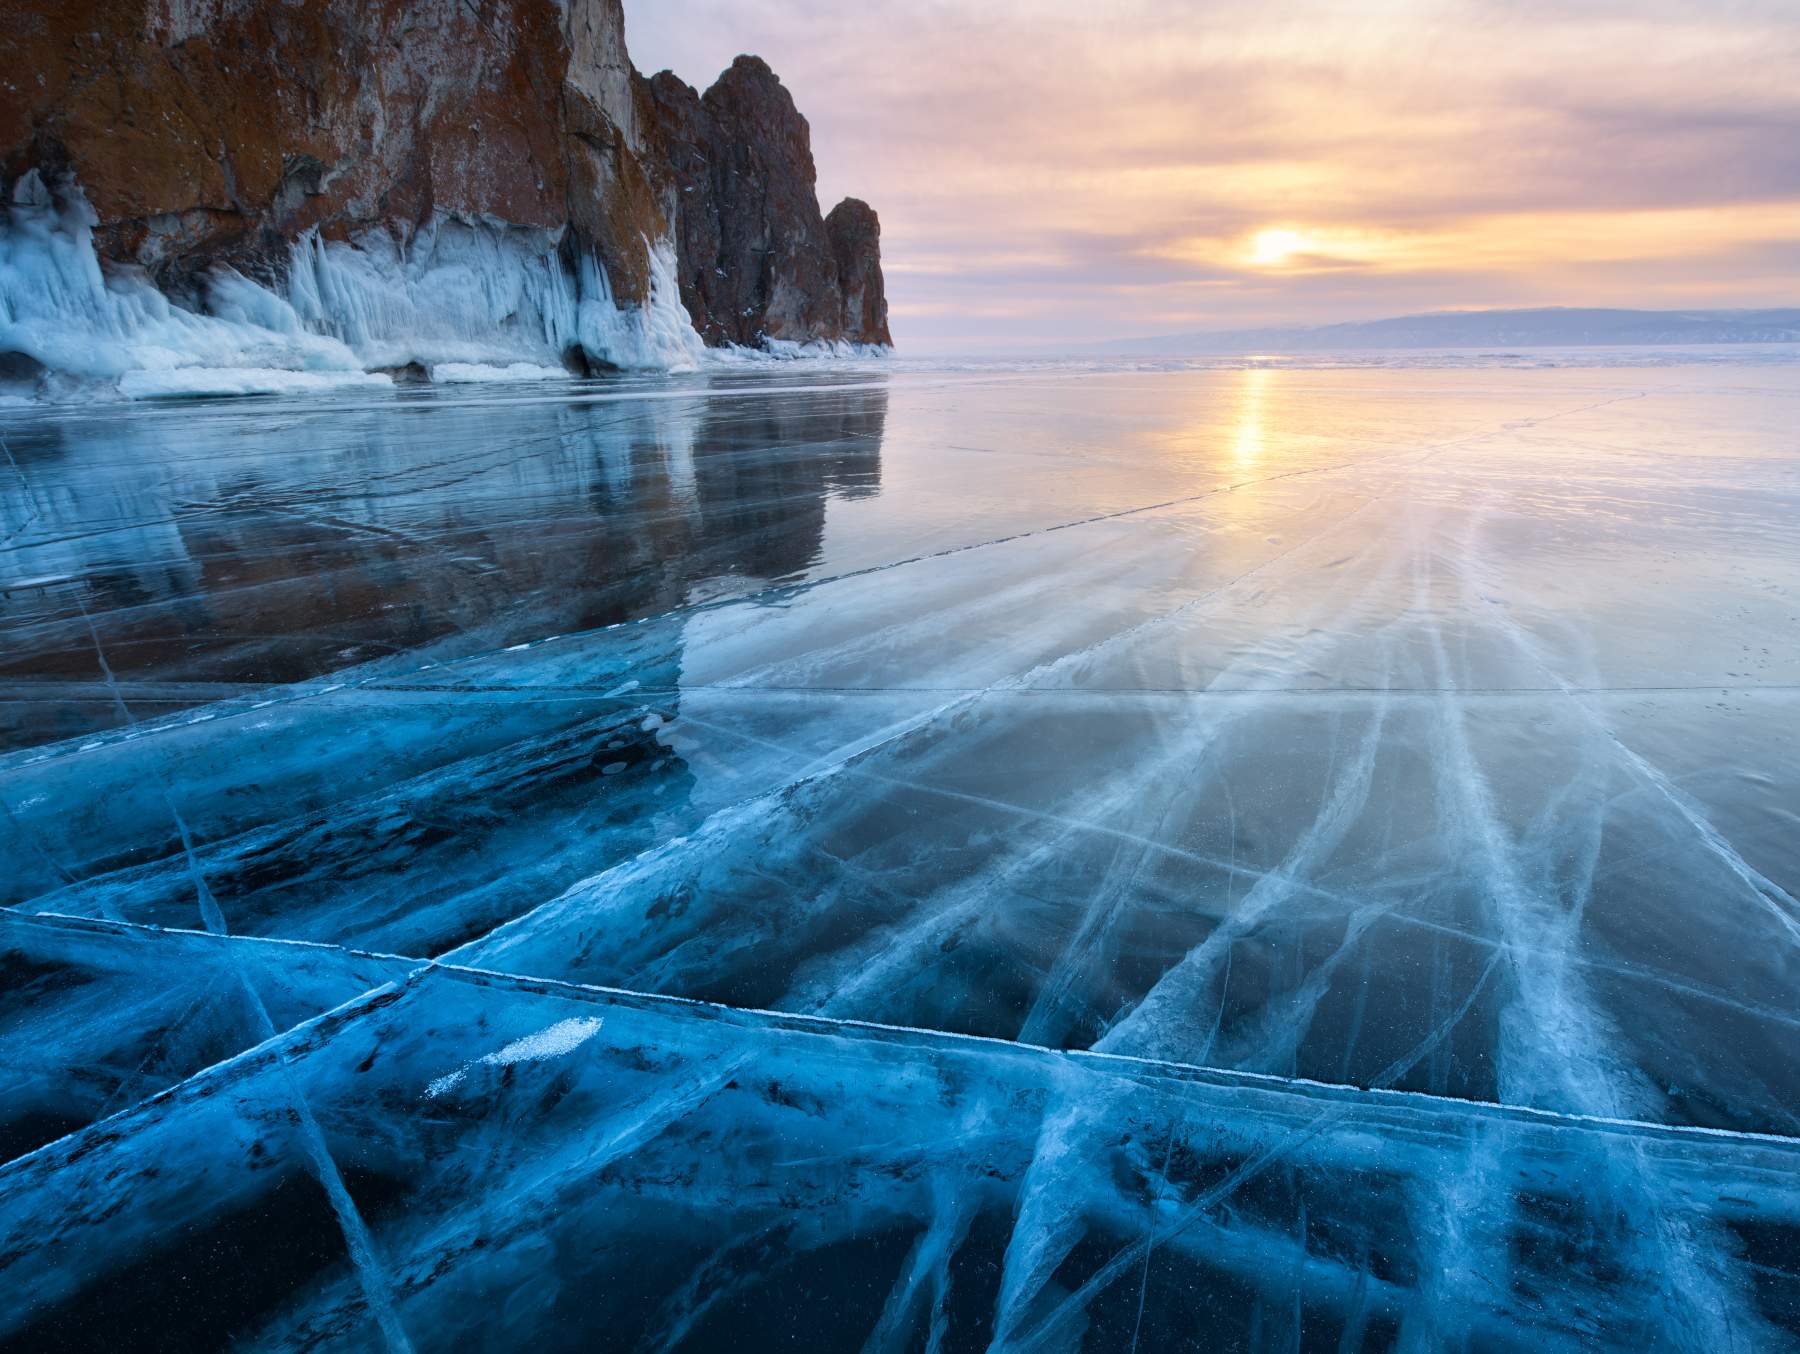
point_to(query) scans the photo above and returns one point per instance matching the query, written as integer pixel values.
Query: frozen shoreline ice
(459, 293)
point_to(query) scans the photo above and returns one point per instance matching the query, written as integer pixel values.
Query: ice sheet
(1267, 858)
(533, 1162)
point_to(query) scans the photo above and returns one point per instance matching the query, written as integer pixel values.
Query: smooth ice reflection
(1393, 769)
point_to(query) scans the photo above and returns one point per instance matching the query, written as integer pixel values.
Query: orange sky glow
(1048, 170)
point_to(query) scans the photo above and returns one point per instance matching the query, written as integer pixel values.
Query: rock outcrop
(855, 234)
(757, 261)
(219, 134)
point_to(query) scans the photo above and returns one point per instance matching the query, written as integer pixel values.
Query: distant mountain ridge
(1548, 326)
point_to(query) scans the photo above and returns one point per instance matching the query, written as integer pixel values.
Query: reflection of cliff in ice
(211, 549)
(398, 800)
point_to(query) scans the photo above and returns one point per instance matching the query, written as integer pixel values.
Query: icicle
(57, 308)
(656, 336)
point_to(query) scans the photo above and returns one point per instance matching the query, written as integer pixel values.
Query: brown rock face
(855, 234)
(207, 132)
(757, 261)
(218, 131)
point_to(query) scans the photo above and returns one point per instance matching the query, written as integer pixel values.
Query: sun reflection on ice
(1247, 440)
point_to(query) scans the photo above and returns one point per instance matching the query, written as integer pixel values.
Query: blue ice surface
(1036, 856)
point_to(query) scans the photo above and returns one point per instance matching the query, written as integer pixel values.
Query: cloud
(1060, 162)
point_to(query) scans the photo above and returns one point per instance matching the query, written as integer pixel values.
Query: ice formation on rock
(458, 293)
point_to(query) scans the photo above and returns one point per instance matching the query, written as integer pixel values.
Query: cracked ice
(908, 859)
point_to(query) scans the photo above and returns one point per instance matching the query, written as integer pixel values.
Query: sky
(1055, 170)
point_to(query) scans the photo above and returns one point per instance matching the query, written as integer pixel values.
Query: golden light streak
(1247, 440)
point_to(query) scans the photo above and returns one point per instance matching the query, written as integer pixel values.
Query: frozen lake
(1050, 856)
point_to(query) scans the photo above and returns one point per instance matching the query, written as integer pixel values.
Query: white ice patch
(467, 294)
(474, 373)
(192, 382)
(553, 1041)
(787, 350)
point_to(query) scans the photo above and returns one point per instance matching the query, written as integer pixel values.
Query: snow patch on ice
(553, 1041)
(476, 373)
(788, 350)
(196, 382)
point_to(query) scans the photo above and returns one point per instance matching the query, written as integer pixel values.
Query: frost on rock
(658, 335)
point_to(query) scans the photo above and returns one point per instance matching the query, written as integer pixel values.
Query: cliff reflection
(416, 806)
(211, 547)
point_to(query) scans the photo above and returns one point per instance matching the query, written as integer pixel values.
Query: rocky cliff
(466, 162)
(757, 261)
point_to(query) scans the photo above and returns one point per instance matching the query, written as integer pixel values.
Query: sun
(1276, 245)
